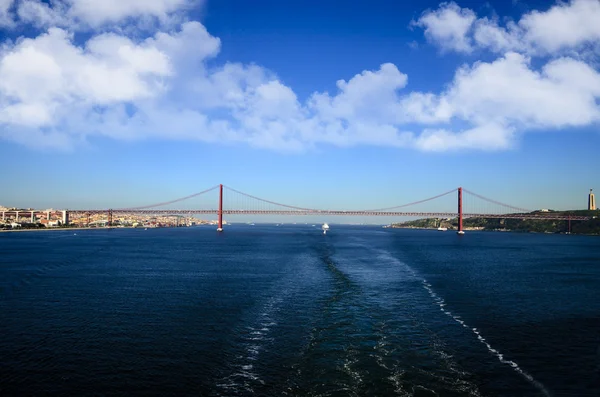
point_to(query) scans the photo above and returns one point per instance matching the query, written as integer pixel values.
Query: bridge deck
(331, 213)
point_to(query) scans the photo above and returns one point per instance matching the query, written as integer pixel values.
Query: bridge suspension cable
(319, 210)
(271, 202)
(413, 203)
(523, 210)
(171, 201)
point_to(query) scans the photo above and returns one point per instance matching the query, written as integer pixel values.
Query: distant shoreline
(64, 229)
(41, 229)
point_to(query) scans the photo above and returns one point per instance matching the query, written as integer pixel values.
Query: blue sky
(153, 100)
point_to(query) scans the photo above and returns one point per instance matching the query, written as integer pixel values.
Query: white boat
(442, 229)
(325, 228)
(460, 232)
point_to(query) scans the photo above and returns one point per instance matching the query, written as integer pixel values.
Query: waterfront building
(591, 201)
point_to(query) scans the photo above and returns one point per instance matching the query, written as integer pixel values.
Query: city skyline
(367, 105)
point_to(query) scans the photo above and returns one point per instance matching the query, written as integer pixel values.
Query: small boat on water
(442, 229)
(325, 228)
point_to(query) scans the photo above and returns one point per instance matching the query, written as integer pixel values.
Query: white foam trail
(442, 304)
(396, 378)
(253, 343)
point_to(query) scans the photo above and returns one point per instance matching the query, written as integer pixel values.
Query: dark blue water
(265, 310)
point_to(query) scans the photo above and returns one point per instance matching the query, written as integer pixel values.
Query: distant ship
(325, 228)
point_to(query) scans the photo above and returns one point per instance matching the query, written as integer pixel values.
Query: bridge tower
(220, 227)
(460, 212)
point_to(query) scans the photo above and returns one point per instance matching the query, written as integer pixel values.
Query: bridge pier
(460, 212)
(220, 213)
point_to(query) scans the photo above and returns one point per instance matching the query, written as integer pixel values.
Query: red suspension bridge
(234, 202)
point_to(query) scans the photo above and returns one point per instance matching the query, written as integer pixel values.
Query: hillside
(591, 226)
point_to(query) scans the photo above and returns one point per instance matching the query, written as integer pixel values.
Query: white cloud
(41, 15)
(110, 68)
(6, 19)
(488, 34)
(96, 13)
(92, 14)
(508, 91)
(448, 26)
(57, 92)
(563, 26)
(567, 26)
(44, 79)
(367, 96)
(505, 96)
(488, 136)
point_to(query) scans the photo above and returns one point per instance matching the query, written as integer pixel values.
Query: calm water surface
(265, 310)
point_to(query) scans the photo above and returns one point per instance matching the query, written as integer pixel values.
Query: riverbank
(590, 226)
(64, 229)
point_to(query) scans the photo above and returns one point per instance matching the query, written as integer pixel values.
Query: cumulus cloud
(6, 18)
(57, 92)
(565, 26)
(448, 26)
(90, 14)
(44, 76)
(97, 13)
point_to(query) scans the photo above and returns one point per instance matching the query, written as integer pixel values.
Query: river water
(286, 310)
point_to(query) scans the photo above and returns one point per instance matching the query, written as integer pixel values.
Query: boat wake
(442, 304)
(452, 377)
(254, 340)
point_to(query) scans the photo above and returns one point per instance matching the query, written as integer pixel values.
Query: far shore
(64, 229)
